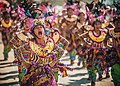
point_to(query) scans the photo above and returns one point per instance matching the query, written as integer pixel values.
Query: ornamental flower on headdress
(21, 12)
(38, 21)
(96, 19)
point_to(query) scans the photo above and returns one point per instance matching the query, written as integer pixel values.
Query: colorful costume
(38, 62)
(6, 36)
(68, 25)
(95, 42)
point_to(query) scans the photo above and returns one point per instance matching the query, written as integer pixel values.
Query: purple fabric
(6, 30)
(53, 81)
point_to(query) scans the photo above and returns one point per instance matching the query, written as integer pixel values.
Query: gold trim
(97, 39)
(79, 25)
(6, 25)
(22, 37)
(105, 24)
(88, 27)
(42, 51)
(72, 19)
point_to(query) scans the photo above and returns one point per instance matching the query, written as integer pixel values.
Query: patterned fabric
(35, 69)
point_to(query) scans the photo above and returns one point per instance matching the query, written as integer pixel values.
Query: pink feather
(43, 8)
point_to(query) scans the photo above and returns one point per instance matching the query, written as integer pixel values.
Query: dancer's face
(82, 16)
(27, 24)
(97, 25)
(63, 12)
(47, 25)
(39, 32)
(54, 24)
(7, 20)
(70, 12)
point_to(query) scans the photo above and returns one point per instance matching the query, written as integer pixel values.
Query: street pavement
(77, 77)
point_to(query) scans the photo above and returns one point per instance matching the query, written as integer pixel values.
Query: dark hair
(80, 13)
(69, 8)
(48, 23)
(95, 22)
(77, 2)
(5, 15)
(37, 26)
(22, 24)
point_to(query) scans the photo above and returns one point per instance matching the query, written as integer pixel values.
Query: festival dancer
(52, 30)
(69, 23)
(115, 33)
(23, 66)
(20, 37)
(37, 67)
(115, 52)
(79, 29)
(6, 29)
(21, 34)
(96, 36)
